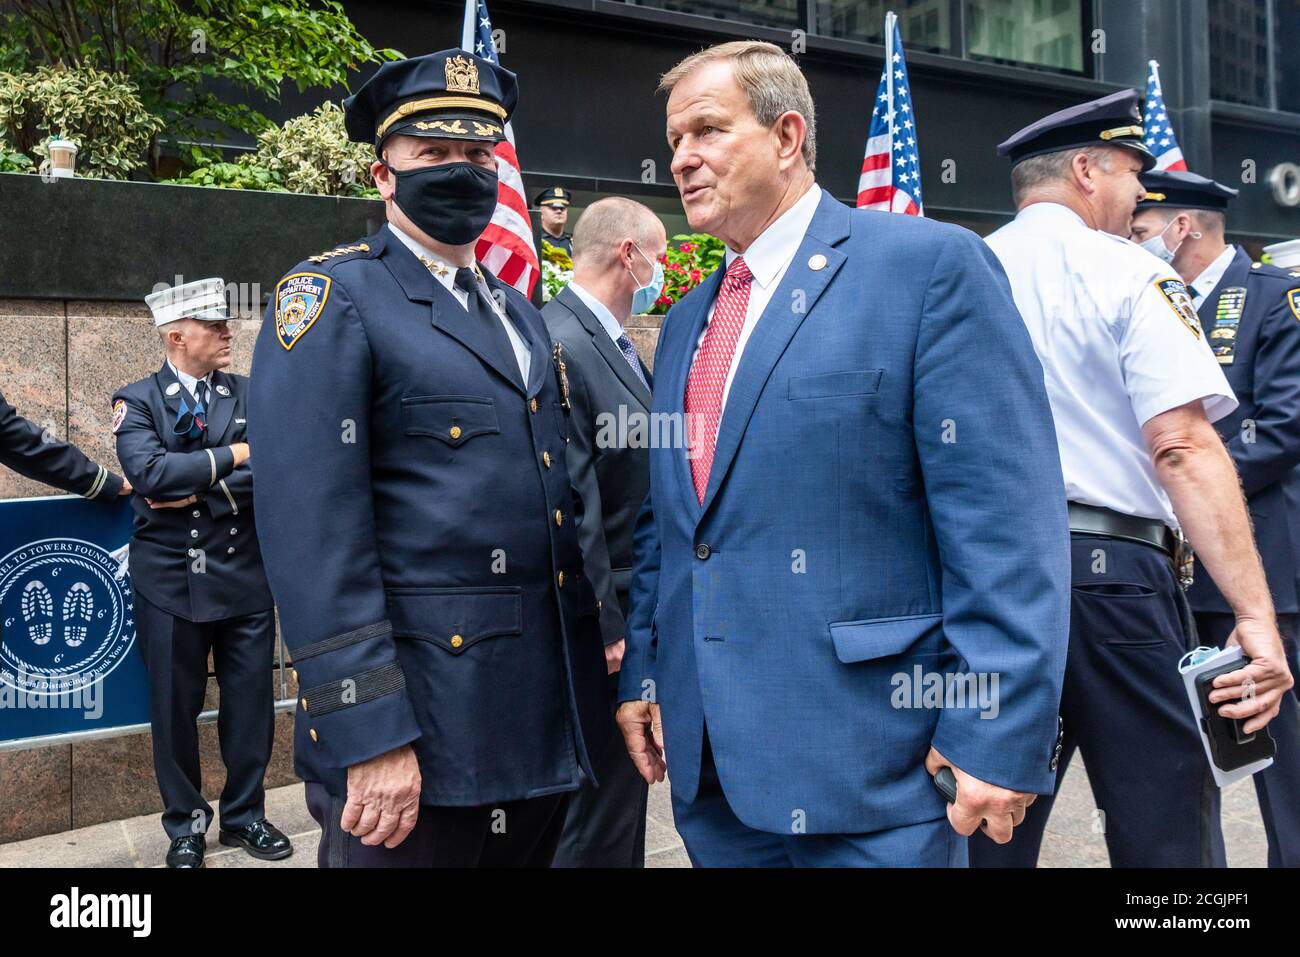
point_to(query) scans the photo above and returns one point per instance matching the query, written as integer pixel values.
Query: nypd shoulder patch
(119, 414)
(299, 300)
(1180, 300)
(1293, 300)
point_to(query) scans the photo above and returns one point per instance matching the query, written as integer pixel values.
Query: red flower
(663, 301)
(696, 275)
(687, 247)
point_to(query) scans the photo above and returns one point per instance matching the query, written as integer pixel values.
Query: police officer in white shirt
(1134, 390)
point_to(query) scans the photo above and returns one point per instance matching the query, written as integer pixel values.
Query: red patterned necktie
(709, 371)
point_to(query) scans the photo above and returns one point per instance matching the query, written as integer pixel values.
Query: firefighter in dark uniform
(409, 420)
(1251, 317)
(197, 574)
(31, 451)
(554, 203)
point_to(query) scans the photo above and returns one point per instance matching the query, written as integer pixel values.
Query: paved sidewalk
(1072, 839)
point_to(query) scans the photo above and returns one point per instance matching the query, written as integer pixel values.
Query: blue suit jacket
(1265, 377)
(885, 495)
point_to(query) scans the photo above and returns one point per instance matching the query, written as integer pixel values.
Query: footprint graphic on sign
(77, 606)
(37, 604)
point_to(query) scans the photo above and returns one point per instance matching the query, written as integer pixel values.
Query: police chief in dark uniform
(197, 573)
(554, 202)
(1250, 314)
(30, 451)
(410, 422)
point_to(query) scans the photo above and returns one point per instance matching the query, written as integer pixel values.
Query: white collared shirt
(1204, 284)
(767, 257)
(1115, 351)
(189, 383)
(600, 311)
(448, 279)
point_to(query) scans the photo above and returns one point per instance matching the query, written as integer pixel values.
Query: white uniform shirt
(190, 383)
(767, 257)
(448, 279)
(1115, 349)
(1204, 284)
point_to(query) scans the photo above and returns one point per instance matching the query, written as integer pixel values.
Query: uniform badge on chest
(562, 371)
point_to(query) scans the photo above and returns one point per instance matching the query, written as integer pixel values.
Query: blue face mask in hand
(645, 296)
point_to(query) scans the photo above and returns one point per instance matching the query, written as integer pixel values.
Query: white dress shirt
(1115, 350)
(1204, 284)
(448, 279)
(598, 309)
(767, 257)
(189, 383)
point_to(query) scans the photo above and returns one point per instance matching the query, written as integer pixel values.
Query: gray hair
(1030, 174)
(770, 78)
(604, 225)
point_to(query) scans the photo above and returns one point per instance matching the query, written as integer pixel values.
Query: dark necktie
(481, 312)
(201, 396)
(628, 348)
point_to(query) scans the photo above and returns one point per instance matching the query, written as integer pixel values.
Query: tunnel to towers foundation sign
(68, 659)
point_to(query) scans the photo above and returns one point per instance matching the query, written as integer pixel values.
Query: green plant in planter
(687, 265)
(557, 270)
(312, 154)
(309, 154)
(11, 161)
(174, 49)
(100, 111)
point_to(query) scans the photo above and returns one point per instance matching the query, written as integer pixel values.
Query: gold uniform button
(560, 579)
(304, 704)
(455, 431)
(559, 518)
(294, 672)
(546, 459)
(532, 404)
(312, 732)
(457, 641)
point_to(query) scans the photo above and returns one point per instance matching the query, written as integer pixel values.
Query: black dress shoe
(187, 851)
(261, 839)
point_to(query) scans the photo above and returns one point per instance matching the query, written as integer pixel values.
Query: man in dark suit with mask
(415, 511)
(617, 246)
(1250, 314)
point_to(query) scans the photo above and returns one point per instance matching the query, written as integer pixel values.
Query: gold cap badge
(462, 75)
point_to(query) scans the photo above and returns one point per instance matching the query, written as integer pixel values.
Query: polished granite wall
(60, 363)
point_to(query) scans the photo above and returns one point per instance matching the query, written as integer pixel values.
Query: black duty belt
(1095, 520)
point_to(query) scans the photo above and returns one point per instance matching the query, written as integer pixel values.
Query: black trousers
(1277, 787)
(605, 826)
(176, 657)
(1125, 709)
(509, 834)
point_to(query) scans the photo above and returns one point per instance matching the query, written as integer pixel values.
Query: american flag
(506, 246)
(1157, 129)
(891, 169)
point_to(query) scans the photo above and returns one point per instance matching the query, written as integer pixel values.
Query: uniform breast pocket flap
(854, 382)
(456, 619)
(454, 419)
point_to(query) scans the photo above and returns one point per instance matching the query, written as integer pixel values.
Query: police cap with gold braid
(1110, 121)
(1176, 189)
(451, 94)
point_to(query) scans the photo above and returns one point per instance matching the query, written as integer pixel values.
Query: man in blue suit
(868, 523)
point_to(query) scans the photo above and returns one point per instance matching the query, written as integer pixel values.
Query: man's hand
(979, 805)
(383, 798)
(240, 451)
(126, 488)
(1257, 689)
(178, 503)
(643, 733)
(614, 655)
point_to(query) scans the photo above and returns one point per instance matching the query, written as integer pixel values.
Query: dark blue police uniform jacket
(419, 533)
(1263, 434)
(26, 448)
(200, 562)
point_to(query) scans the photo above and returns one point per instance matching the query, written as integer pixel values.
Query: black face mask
(453, 202)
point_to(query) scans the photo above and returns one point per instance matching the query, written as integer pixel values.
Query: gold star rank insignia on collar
(434, 266)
